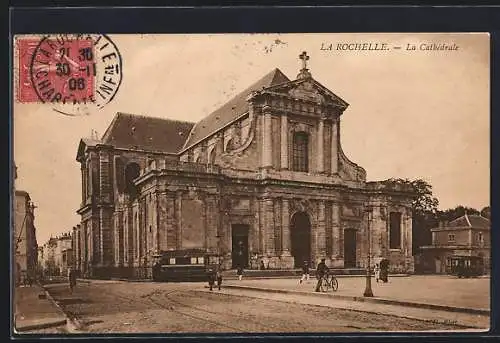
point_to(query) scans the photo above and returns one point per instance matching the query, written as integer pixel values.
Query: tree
(486, 212)
(454, 213)
(424, 210)
(424, 202)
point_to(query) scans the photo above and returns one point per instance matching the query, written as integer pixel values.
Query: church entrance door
(239, 251)
(349, 248)
(300, 237)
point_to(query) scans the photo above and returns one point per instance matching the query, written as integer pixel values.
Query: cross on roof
(303, 56)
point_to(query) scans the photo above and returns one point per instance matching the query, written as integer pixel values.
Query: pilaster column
(178, 217)
(84, 187)
(269, 226)
(170, 221)
(284, 141)
(321, 151)
(285, 228)
(336, 244)
(320, 240)
(267, 138)
(334, 147)
(104, 176)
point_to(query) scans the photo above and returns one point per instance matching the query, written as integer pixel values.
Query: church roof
(131, 131)
(232, 109)
(468, 220)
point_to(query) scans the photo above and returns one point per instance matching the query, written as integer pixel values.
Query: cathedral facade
(265, 174)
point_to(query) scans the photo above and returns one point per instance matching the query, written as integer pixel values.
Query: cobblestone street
(141, 307)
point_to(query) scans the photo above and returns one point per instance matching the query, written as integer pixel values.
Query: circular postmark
(75, 72)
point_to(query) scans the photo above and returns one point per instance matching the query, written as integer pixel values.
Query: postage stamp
(68, 71)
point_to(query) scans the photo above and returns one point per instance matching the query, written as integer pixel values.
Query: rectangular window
(395, 230)
(300, 156)
(451, 237)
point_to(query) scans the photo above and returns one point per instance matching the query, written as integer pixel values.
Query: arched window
(300, 152)
(212, 156)
(132, 171)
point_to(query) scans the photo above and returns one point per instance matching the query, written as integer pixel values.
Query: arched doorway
(300, 237)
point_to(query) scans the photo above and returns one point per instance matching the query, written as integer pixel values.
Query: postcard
(251, 183)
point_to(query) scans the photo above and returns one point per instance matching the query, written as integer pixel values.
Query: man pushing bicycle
(321, 272)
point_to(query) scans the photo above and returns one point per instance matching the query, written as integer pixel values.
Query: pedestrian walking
(376, 270)
(305, 272)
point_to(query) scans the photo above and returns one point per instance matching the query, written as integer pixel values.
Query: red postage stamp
(68, 70)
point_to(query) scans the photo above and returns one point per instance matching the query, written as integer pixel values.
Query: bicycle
(329, 283)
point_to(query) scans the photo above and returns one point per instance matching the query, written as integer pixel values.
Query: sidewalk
(34, 313)
(431, 292)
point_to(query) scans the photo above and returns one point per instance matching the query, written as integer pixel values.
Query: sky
(412, 114)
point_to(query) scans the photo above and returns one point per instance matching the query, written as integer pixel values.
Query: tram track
(172, 303)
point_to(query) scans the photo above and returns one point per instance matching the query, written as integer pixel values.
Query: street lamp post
(368, 289)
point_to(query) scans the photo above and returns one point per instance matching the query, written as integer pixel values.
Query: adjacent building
(468, 235)
(265, 173)
(24, 237)
(58, 255)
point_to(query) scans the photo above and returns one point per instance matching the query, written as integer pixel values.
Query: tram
(465, 266)
(183, 265)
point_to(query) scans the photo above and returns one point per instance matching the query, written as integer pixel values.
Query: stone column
(284, 141)
(321, 151)
(269, 226)
(285, 228)
(320, 237)
(105, 185)
(84, 188)
(170, 222)
(334, 146)
(267, 138)
(161, 222)
(178, 218)
(336, 247)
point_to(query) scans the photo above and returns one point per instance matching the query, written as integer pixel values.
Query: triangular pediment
(310, 90)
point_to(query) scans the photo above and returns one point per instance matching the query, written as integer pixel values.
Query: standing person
(218, 276)
(377, 272)
(71, 279)
(211, 278)
(305, 272)
(239, 272)
(321, 271)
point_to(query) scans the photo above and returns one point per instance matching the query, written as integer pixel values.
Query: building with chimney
(265, 173)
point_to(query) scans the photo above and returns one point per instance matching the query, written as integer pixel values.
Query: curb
(31, 327)
(71, 324)
(372, 300)
(55, 323)
(473, 328)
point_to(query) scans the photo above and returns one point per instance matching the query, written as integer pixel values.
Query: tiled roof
(233, 108)
(469, 220)
(132, 131)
